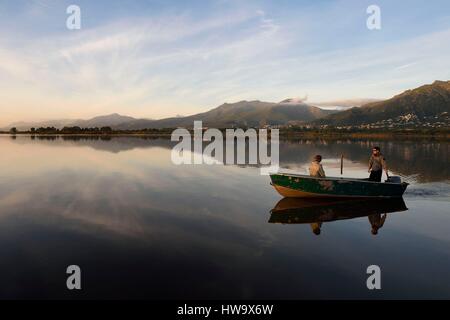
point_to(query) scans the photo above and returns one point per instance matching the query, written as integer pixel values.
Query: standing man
(377, 163)
(377, 221)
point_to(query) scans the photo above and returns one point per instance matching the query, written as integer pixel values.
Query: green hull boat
(297, 185)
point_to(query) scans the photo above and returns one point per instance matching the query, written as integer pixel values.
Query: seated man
(315, 226)
(316, 169)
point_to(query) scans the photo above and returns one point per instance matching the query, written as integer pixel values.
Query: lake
(141, 227)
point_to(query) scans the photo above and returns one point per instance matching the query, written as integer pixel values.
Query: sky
(157, 59)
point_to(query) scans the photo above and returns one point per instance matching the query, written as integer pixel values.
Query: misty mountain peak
(296, 100)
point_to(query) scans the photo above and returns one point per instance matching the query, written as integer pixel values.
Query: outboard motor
(394, 179)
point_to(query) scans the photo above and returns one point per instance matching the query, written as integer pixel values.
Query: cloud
(405, 66)
(130, 65)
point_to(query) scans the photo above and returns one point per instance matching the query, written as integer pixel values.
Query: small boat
(297, 185)
(311, 210)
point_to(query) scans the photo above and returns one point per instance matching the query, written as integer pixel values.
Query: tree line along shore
(284, 132)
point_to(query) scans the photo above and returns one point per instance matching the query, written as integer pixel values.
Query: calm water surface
(141, 227)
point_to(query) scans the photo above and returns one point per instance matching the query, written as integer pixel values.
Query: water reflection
(317, 211)
(415, 160)
(141, 227)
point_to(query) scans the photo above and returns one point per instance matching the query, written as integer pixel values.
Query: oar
(342, 164)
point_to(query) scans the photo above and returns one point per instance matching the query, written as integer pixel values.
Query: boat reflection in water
(315, 211)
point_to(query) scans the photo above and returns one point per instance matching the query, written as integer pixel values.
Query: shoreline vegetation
(285, 133)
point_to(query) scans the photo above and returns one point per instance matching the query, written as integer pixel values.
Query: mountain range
(424, 106)
(239, 114)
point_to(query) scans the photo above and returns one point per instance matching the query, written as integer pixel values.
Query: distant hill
(428, 103)
(227, 115)
(111, 120)
(100, 121)
(240, 114)
(23, 125)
